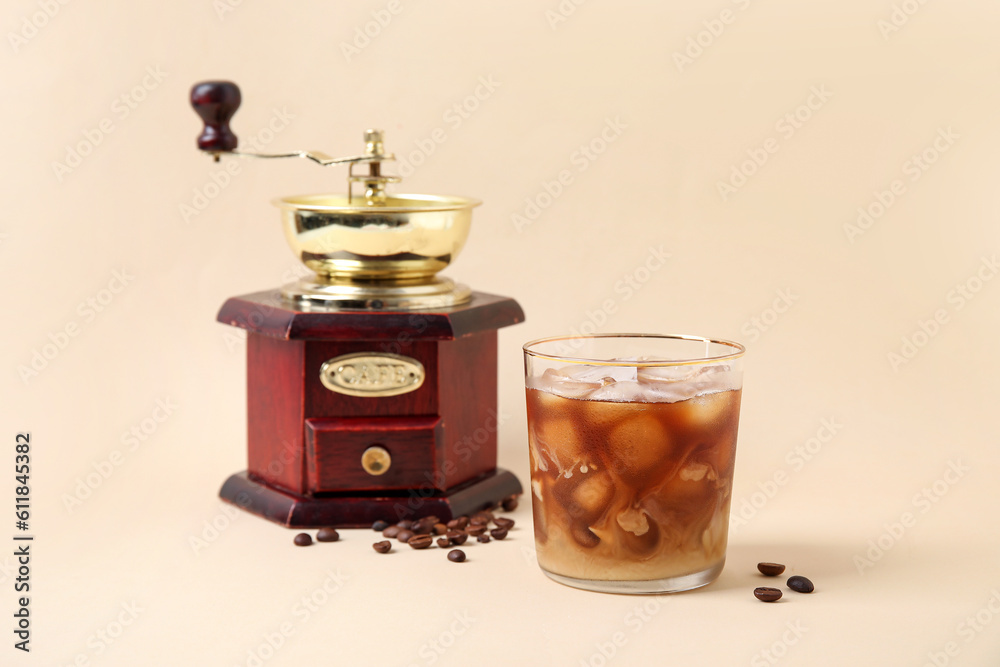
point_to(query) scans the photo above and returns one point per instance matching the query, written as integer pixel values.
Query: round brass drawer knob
(376, 460)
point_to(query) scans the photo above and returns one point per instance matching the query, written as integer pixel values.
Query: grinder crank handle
(216, 102)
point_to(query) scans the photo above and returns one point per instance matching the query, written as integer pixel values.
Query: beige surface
(675, 132)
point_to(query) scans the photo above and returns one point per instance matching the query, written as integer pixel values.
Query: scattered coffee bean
(440, 529)
(498, 533)
(303, 540)
(443, 542)
(380, 525)
(475, 529)
(421, 541)
(391, 531)
(504, 522)
(456, 556)
(406, 524)
(510, 503)
(405, 535)
(382, 547)
(421, 528)
(770, 569)
(766, 594)
(483, 538)
(800, 584)
(457, 536)
(459, 524)
(327, 535)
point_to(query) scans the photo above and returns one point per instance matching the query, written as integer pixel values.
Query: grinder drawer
(371, 453)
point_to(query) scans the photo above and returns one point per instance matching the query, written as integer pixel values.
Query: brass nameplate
(372, 374)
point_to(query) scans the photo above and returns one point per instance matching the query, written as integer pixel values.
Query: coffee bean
(327, 535)
(421, 528)
(456, 556)
(770, 569)
(459, 524)
(482, 517)
(800, 584)
(443, 542)
(485, 539)
(510, 503)
(457, 536)
(405, 523)
(498, 533)
(504, 522)
(382, 547)
(391, 531)
(766, 594)
(440, 529)
(303, 540)
(475, 530)
(380, 525)
(420, 541)
(405, 535)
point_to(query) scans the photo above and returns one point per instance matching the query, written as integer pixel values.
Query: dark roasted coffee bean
(485, 539)
(421, 528)
(380, 525)
(303, 540)
(482, 517)
(405, 535)
(421, 541)
(406, 524)
(459, 524)
(766, 594)
(443, 542)
(457, 536)
(383, 547)
(391, 531)
(504, 522)
(440, 529)
(800, 584)
(456, 556)
(475, 529)
(770, 569)
(327, 535)
(510, 502)
(498, 533)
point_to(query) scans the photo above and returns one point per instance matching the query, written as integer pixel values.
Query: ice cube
(619, 392)
(639, 447)
(634, 521)
(584, 373)
(592, 494)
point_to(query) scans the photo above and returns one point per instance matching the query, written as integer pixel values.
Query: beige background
(888, 92)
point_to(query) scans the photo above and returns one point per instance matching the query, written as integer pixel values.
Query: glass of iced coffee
(632, 439)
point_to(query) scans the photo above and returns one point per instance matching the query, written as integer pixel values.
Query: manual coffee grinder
(372, 385)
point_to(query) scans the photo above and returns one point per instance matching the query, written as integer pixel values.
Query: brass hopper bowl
(368, 251)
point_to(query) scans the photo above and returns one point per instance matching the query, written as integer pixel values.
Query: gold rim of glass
(740, 350)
